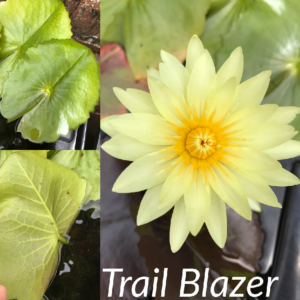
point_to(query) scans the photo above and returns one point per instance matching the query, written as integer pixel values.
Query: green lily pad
(26, 23)
(39, 201)
(269, 33)
(54, 88)
(146, 27)
(86, 163)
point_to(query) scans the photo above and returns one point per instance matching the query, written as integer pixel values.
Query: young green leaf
(85, 163)
(55, 87)
(26, 23)
(39, 201)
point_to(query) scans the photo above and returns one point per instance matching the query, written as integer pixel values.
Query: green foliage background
(267, 30)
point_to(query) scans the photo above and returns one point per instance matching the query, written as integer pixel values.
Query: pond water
(78, 274)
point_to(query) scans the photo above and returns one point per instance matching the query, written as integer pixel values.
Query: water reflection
(66, 269)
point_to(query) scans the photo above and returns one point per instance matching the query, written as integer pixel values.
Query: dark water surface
(78, 274)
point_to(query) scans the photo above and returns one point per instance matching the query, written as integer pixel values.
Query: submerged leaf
(26, 23)
(85, 163)
(39, 202)
(54, 87)
(144, 32)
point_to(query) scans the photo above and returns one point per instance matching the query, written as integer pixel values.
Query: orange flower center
(201, 143)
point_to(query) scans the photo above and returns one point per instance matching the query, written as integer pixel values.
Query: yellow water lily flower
(201, 139)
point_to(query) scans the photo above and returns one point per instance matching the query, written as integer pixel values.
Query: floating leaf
(85, 163)
(148, 26)
(269, 33)
(55, 87)
(40, 200)
(26, 23)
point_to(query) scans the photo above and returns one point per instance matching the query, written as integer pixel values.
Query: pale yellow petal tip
(141, 218)
(139, 221)
(219, 240)
(195, 37)
(104, 146)
(237, 50)
(220, 244)
(175, 247)
(268, 73)
(117, 188)
(163, 53)
(166, 56)
(116, 89)
(118, 92)
(174, 250)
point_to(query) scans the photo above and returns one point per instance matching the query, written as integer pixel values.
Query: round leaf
(26, 23)
(54, 87)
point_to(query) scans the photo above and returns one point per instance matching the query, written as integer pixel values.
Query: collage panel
(49, 149)
(50, 80)
(200, 149)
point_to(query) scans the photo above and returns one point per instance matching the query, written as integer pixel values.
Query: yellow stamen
(201, 143)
